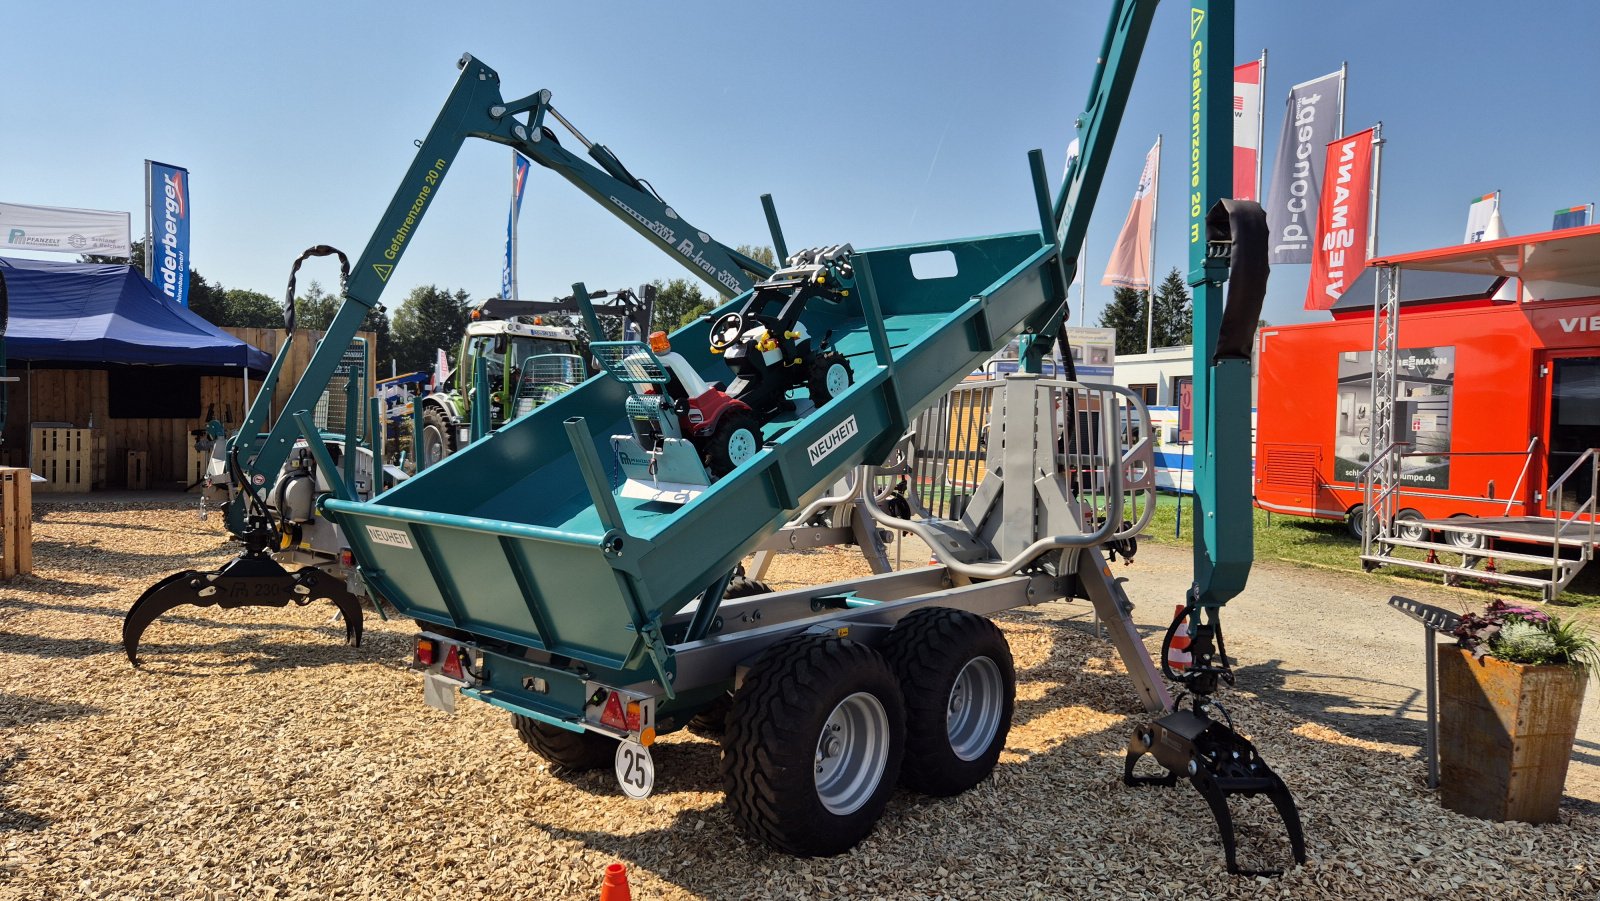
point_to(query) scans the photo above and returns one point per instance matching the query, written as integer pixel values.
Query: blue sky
(873, 123)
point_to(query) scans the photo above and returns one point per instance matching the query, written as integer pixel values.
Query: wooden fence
(78, 396)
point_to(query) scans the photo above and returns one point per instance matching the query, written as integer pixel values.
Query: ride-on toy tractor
(686, 432)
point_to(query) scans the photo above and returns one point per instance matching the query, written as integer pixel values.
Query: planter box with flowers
(1510, 694)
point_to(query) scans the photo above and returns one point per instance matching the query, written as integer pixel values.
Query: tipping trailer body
(552, 560)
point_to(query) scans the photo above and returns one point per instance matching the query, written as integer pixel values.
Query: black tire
(566, 751)
(770, 751)
(434, 421)
(928, 650)
(743, 587)
(1353, 521)
(713, 721)
(724, 452)
(817, 382)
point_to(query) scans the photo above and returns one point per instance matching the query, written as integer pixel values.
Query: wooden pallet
(69, 460)
(16, 522)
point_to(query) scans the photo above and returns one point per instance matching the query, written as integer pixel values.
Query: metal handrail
(1370, 520)
(1107, 530)
(1557, 491)
(1526, 464)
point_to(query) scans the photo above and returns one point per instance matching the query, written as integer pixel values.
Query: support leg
(1114, 609)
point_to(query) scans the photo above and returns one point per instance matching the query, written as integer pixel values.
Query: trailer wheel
(437, 442)
(830, 375)
(736, 439)
(1405, 527)
(812, 750)
(566, 751)
(960, 686)
(1466, 541)
(1353, 521)
(712, 721)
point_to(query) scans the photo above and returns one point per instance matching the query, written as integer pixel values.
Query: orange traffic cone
(1178, 656)
(615, 886)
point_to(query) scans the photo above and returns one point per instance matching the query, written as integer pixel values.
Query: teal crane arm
(1097, 126)
(474, 109)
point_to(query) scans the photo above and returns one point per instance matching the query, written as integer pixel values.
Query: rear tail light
(346, 558)
(425, 652)
(452, 664)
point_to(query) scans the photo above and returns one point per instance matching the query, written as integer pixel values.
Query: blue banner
(166, 204)
(519, 177)
(1573, 217)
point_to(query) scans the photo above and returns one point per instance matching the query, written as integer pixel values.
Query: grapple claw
(250, 580)
(1218, 762)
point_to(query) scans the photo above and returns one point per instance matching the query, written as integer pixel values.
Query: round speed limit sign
(636, 773)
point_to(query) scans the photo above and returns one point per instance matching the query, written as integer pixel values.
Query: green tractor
(526, 355)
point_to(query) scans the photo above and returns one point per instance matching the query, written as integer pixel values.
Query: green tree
(678, 302)
(1174, 323)
(1174, 313)
(249, 309)
(315, 308)
(760, 253)
(1126, 314)
(428, 319)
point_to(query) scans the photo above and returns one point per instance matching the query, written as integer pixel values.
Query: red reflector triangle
(613, 716)
(452, 664)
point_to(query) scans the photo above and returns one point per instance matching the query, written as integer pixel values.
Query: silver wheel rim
(851, 753)
(1465, 540)
(1405, 527)
(837, 379)
(432, 445)
(974, 710)
(741, 446)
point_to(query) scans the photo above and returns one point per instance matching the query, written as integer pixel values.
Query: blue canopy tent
(100, 346)
(110, 314)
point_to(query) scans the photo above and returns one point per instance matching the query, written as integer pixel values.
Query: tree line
(428, 319)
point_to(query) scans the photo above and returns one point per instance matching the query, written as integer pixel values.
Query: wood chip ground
(255, 756)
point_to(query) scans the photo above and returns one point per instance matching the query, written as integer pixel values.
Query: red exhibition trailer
(1497, 392)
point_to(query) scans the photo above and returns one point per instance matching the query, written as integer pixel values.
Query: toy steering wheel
(726, 330)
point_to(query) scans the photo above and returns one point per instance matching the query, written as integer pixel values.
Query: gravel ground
(256, 757)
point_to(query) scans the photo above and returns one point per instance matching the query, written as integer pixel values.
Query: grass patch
(1326, 543)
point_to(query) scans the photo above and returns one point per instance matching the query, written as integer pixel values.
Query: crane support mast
(1223, 546)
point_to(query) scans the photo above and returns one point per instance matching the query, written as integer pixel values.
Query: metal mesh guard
(631, 362)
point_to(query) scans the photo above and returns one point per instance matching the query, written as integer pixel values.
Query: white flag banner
(1483, 212)
(441, 368)
(1129, 266)
(63, 230)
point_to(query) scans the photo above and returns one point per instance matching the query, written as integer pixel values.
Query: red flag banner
(1342, 220)
(1246, 129)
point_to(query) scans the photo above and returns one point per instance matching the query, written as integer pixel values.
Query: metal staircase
(1570, 537)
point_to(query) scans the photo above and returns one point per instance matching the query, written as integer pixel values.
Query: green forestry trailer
(600, 617)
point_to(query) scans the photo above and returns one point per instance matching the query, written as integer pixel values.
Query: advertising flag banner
(63, 230)
(519, 177)
(441, 367)
(1310, 123)
(1573, 217)
(1130, 258)
(166, 222)
(1246, 129)
(1342, 220)
(1478, 217)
